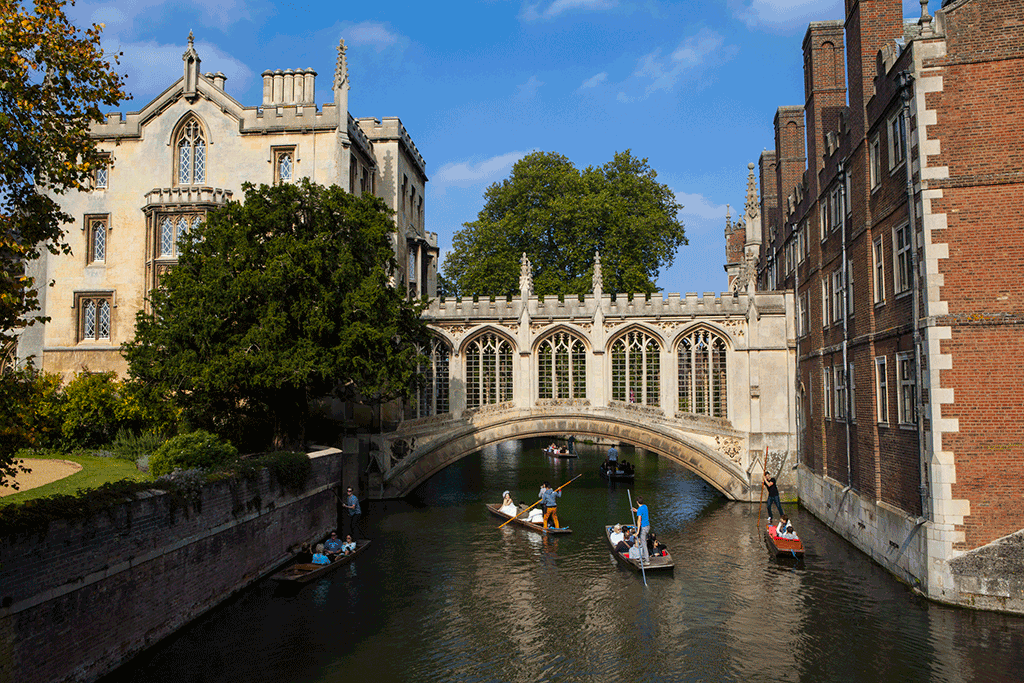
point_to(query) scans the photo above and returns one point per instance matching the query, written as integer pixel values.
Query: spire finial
(751, 192)
(925, 17)
(525, 277)
(598, 280)
(341, 70)
(190, 38)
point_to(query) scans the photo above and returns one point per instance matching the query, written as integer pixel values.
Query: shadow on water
(443, 595)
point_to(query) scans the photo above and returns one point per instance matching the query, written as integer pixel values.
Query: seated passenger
(616, 535)
(789, 534)
(655, 547)
(536, 516)
(783, 523)
(507, 506)
(626, 543)
(305, 554)
(332, 546)
(319, 557)
(349, 546)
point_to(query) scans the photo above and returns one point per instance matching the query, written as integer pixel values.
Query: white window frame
(826, 301)
(851, 385)
(838, 302)
(827, 377)
(878, 252)
(896, 133)
(839, 382)
(902, 274)
(836, 206)
(823, 219)
(881, 391)
(277, 156)
(874, 163)
(905, 374)
(850, 299)
(802, 320)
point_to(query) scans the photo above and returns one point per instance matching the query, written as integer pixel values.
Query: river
(443, 595)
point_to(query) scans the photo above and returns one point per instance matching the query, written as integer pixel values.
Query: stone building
(892, 207)
(188, 152)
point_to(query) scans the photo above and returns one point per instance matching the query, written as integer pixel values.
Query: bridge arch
(468, 436)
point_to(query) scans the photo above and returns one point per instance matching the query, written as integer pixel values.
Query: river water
(443, 595)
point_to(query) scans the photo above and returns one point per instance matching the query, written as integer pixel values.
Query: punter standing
(548, 497)
(351, 504)
(643, 523)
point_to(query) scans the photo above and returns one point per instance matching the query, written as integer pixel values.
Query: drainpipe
(906, 83)
(800, 323)
(841, 174)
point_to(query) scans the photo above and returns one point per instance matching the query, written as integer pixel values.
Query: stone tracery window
(488, 371)
(703, 377)
(432, 398)
(190, 146)
(636, 368)
(172, 228)
(562, 367)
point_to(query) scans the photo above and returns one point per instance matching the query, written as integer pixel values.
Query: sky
(690, 85)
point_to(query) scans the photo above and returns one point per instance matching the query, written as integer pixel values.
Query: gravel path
(43, 471)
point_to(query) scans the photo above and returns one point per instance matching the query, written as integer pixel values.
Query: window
(840, 385)
(801, 322)
(562, 367)
(849, 286)
(838, 302)
(897, 136)
(802, 247)
(191, 148)
(101, 175)
(879, 271)
(827, 394)
(908, 388)
(488, 371)
(823, 218)
(94, 316)
(836, 204)
(881, 391)
(96, 238)
(284, 165)
(901, 259)
(703, 377)
(874, 162)
(432, 398)
(847, 204)
(364, 181)
(412, 264)
(636, 368)
(825, 300)
(172, 228)
(853, 399)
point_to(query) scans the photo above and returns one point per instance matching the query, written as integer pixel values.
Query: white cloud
(152, 67)
(465, 173)
(698, 206)
(371, 33)
(528, 90)
(128, 18)
(534, 12)
(663, 72)
(785, 15)
(594, 80)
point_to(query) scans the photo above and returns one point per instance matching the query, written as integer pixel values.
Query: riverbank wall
(87, 595)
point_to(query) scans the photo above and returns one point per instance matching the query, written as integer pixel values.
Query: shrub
(130, 446)
(290, 469)
(195, 450)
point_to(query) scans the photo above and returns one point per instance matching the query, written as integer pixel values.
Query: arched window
(636, 368)
(562, 367)
(433, 397)
(488, 371)
(173, 228)
(703, 384)
(190, 147)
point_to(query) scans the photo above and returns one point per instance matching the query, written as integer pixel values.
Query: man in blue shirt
(548, 497)
(354, 511)
(613, 455)
(643, 523)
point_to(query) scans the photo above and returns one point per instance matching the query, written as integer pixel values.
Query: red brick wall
(90, 594)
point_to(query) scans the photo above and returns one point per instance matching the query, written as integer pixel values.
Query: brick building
(909, 321)
(188, 152)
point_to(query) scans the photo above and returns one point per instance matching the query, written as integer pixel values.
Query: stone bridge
(705, 381)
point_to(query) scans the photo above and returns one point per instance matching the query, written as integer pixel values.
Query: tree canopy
(53, 80)
(275, 302)
(559, 217)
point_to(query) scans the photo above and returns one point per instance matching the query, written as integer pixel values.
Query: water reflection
(443, 595)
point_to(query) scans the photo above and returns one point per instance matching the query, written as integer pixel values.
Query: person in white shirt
(507, 506)
(616, 535)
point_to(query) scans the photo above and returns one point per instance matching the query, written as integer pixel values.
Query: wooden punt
(304, 573)
(657, 562)
(783, 547)
(493, 507)
(556, 453)
(616, 474)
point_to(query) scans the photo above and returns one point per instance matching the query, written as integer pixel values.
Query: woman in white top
(616, 535)
(507, 506)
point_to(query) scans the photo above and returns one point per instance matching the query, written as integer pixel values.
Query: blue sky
(692, 85)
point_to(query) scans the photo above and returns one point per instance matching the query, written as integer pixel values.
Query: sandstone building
(891, 205)
(188, 152)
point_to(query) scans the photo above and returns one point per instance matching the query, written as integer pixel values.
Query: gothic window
(94, 316)
(102, 174)
(432, 398)
(488, 371)
(190, 146)
(284, 165)
(562, 367)
(172, 228)
(96, 236)
(636, 368)
(703, 378)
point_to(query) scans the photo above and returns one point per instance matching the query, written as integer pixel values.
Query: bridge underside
(452, 441)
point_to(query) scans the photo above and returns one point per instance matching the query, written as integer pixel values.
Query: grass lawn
(94, 473)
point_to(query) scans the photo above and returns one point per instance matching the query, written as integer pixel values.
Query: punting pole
(535, 504)
(642, 571)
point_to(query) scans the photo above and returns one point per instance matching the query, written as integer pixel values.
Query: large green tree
(559, 217)
(275, 302)
(53, 80)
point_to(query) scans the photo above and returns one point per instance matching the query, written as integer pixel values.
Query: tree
(275, 302)
(559, 217)
(53, 79)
